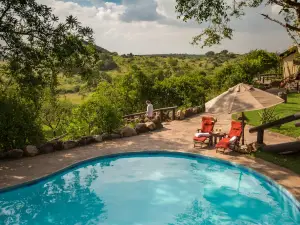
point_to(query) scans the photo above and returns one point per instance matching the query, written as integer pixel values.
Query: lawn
(282, 110)
(291, 162)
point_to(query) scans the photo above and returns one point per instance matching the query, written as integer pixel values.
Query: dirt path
(175, 136)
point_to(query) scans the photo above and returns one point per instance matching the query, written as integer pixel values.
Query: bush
(18, 123)
(268, 115)
(100, 113)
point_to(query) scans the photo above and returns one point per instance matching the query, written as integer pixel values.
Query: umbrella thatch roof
(241, 98)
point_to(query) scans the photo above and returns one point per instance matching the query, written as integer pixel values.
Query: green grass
(75, 98)
(282, 110)
(291, 162)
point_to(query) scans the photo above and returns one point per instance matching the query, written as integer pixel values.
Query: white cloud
(144, 27)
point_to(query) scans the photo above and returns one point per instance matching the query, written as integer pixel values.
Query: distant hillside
(100, 49)
(163, 65)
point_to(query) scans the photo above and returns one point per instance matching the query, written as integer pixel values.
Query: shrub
(18, 122)
(268, 115)
(100, 113)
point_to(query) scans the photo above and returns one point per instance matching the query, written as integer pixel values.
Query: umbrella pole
(243, 127)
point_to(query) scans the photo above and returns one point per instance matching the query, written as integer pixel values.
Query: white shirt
(150, 110)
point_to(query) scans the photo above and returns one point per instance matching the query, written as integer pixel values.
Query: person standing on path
(149, 112)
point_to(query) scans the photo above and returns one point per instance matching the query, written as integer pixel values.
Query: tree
(54, 112)
(224, 52)
(219, 14)
(32, 39)
(209, 53)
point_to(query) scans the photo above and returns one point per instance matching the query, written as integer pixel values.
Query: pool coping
(269, 180)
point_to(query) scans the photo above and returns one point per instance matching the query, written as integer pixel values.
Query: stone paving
(175, 136)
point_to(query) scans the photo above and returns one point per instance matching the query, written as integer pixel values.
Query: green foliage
(36, 46)
(18, 122)
(218, 14)
(54, 113)
(291, 107)
(268, 115)
(210, 54)
(244, 69)
(172, 62)
(185, 90)
(100, 113)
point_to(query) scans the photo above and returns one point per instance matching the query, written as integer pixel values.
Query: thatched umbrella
(241, 98)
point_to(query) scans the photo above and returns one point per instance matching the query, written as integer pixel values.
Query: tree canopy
(32, 38)
(219, 13)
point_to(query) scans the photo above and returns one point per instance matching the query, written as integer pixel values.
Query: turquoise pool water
(147, 189)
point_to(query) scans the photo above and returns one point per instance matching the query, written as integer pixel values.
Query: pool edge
(268, 179)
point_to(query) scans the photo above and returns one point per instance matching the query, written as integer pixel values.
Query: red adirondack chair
(236, 130)
(207, 126)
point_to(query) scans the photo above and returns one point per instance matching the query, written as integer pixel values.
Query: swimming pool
(148, 189)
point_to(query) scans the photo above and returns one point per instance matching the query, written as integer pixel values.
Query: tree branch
(292, 3)
(4, 13)
(288, 27)
(292, 27)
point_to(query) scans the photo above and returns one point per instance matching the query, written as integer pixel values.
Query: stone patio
(175, 136)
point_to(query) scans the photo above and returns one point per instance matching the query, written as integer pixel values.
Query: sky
(152, 27)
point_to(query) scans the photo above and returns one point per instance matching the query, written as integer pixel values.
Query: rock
(69, 144)
(146, 120)
(46, 148)
(115, 136)
(98, 138)
(188, 112)
(137, 120)
(57, 145)
(170, 114)
(156, 119)
(196, 110)
(86, 140)
(31, 150)
(166, 117)
(141, 128)
(150, 125)
(106, 137)
(14, 153)
(180, 115)
(159, 125)
(3, 154)
(128, 132)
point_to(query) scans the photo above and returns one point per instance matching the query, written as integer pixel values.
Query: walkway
(176, 136)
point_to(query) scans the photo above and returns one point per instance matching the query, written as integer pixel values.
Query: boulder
(159, 125)
(141, 128)
(115, 136)
(128, 132)
(170, 114)
(180, 115)
(46, 148)
(106, 137)
(196, 110)
(151, 125)
(31, 150)
(57, 145)
(188, 112)
(14, 153)
(156, 119)
(86, 140)
(98, 138)
(69, 144)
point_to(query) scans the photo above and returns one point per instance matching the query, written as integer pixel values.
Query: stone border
(253, 172)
